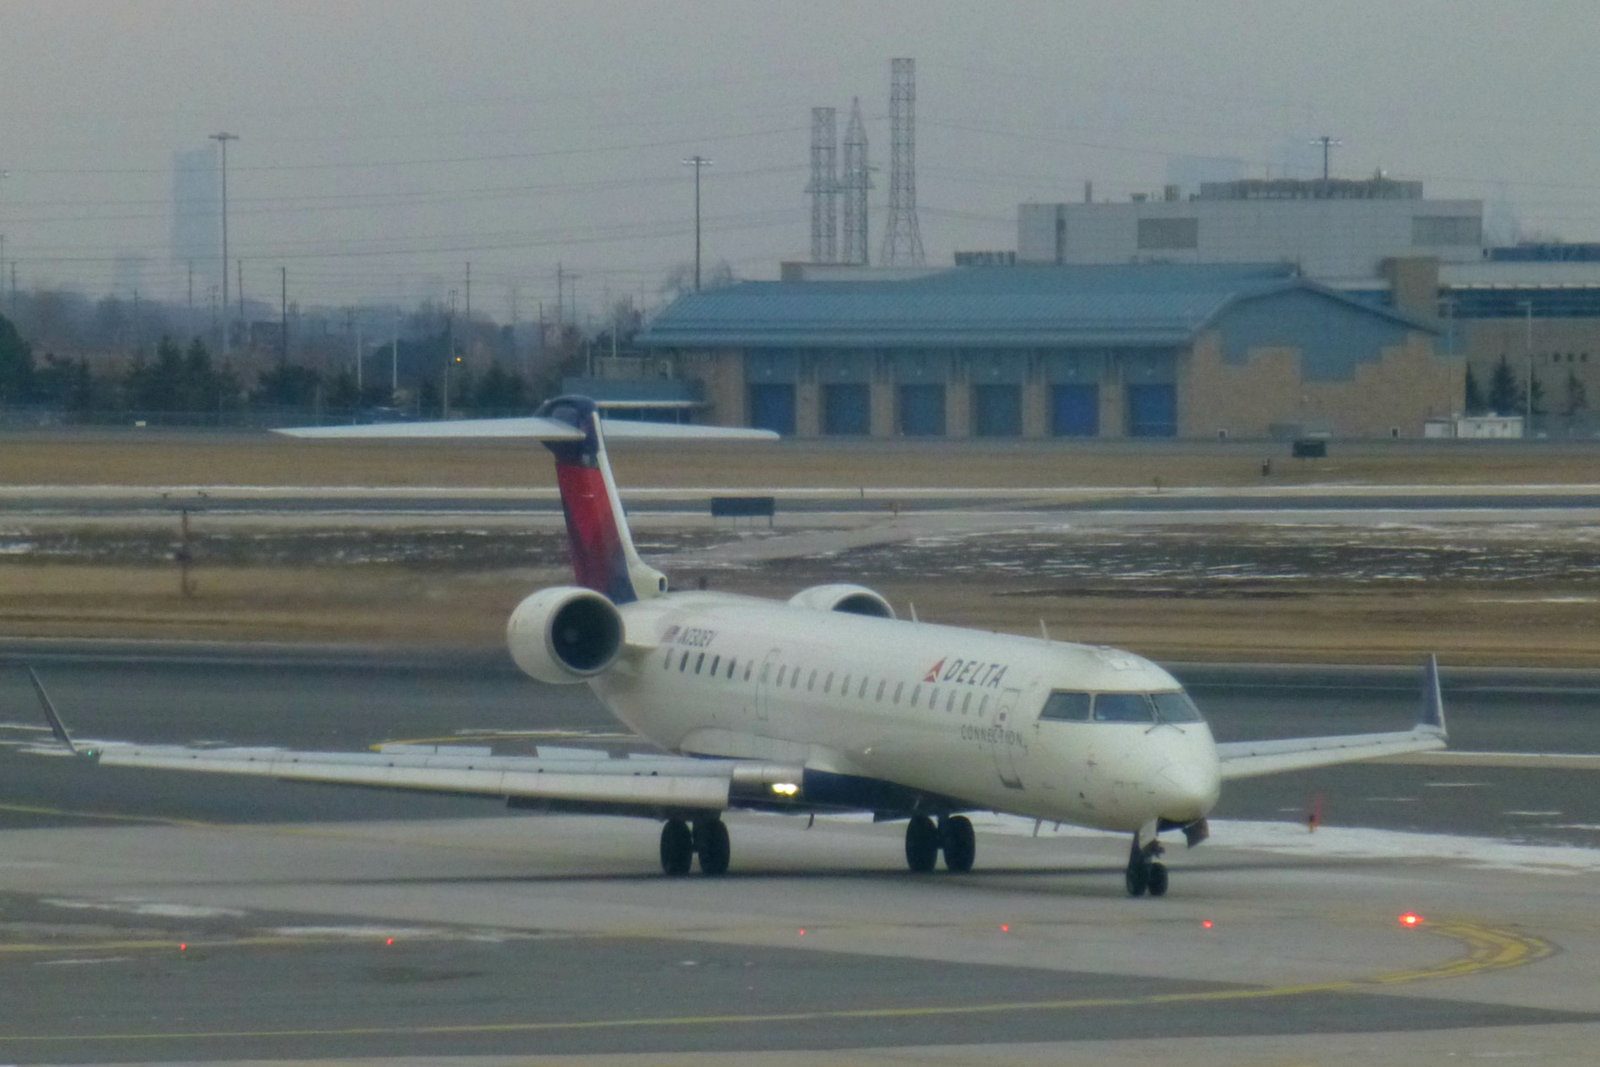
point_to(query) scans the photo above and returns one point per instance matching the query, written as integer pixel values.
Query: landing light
(785, 789)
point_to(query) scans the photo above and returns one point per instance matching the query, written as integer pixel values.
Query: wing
(1247, 759)
(558, 779)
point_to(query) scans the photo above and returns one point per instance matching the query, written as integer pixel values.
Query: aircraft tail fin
(603, 556)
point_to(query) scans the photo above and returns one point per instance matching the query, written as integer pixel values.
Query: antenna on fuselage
(1044, 631)
(913, 608)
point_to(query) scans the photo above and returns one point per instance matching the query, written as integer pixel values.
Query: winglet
(56, 726)
(1431, 717)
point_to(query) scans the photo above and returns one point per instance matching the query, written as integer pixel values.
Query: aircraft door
(766, 682)
(1006, 741)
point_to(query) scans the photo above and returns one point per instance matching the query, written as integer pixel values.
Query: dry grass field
(154, 457)
(1547, 622)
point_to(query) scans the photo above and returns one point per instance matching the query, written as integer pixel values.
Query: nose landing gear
(1146, 874)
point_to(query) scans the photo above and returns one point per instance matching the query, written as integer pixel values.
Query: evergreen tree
(16, 366)
(289, 386)
(1505, 395)
(1577, 395)
(1473, 404)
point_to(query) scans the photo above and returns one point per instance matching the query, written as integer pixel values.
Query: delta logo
(971, 672)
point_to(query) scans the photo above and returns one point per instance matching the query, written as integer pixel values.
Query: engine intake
(844, 597)
(564, 634)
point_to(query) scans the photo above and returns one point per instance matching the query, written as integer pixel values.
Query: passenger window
(699, 661)
(966, 703)
(1123, 707)
(667, 660)
(983, 706)
(780, 676)
(716, 662)
(862, 692)
(844, 686)
(1175, 707)
(684, 662)
(1066, 707)
(899, 687)
(881, 686)
(747, 668)
(731, 662)
(950, 704)
(827, 687)
(794, 682)
(766, 672)
(916, 691)
(811, 683)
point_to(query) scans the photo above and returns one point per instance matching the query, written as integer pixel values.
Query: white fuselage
(943, 710)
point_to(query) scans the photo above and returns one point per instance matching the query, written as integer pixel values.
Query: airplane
(824, 703)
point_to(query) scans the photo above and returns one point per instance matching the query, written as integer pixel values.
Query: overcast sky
(383, 144)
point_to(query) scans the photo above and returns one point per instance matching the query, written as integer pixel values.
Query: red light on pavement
(1005, 928)
(1205, 924)
(1410, 919)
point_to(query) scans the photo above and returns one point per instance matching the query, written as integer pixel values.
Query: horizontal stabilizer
(528, 428)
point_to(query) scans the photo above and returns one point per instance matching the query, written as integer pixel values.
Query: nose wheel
(1145, 873)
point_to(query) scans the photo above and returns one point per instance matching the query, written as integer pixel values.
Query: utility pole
(1527, 346)
(283, 317)
(698, 163)
(223, 139)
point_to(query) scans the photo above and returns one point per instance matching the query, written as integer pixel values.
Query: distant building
(1073, 351)
(1338, 229)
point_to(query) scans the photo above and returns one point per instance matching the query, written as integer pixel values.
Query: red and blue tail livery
(603, 557)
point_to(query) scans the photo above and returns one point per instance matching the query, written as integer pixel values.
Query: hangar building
(1198, 351)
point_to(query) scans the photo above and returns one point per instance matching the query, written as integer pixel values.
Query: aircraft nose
(1189, 788)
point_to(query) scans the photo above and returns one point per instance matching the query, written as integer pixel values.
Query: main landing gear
(952, 835)
(1145, 873)
(708, 840)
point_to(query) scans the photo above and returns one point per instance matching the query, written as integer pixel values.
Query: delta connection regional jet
(825, 702)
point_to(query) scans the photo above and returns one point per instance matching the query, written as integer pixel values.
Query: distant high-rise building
(197, 210)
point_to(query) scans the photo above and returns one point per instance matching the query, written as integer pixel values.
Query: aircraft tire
(1156, 880)
(922, 844)
(960, 844)
(677, 847)
(712, 845)
(1137, 879)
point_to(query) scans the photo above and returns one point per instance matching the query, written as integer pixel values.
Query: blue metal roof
(998, 307)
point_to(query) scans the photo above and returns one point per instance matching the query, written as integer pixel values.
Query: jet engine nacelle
(845, 597)
(564, 634)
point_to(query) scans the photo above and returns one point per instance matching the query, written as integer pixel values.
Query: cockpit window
(1123, 707)
(1175, 707)
(1066, 707)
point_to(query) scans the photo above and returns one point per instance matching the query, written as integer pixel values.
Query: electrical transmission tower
(854, 186)
(824, 187)
(902, 242)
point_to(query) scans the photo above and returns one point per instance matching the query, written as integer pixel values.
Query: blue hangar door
(997, 410)
(1152, 411)
(772, 408)
(847, 409)
(922, 410)
(1075, 410)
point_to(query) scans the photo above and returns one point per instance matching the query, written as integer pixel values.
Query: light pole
(1527, 346)
(698, 163)
(223, 139)
(1327, 143)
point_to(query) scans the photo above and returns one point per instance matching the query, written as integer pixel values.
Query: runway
(557, 936)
